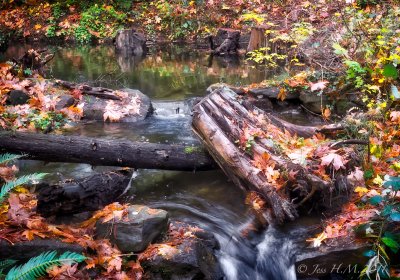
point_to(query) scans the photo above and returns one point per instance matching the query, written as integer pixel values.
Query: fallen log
(224, 121)
(79, 149)
(77, 196)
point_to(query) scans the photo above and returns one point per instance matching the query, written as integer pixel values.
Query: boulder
(135, 232)
(17, 97)
(64, 101)
(313, 101)
(132, 107)
(188, 253)
(343, 256)
(130, 41)
(25, 250)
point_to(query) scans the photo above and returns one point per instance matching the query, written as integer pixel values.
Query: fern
(38, 266)
(7, 157)
(7, 187)
(5, 264)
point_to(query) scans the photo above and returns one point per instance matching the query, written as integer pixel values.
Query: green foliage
(58, 10)
(10, 185)
(124, 5)
(263, 55)
(370, 52)
(101, 21)
(37, 266)
(383, 231)
(5, 264)
(7, 157)
(51, 120)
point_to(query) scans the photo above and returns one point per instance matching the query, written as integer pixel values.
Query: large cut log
(57, 148)
(221, 120)
(76, 196)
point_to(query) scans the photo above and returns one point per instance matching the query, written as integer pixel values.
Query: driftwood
(220, 119)
(95, 151)
(88, 194)
(34, 59)
(100, 92)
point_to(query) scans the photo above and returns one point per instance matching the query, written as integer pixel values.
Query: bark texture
(95, 151)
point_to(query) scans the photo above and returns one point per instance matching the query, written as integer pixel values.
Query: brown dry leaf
(335, 159)
(320, 85)
(282, 94)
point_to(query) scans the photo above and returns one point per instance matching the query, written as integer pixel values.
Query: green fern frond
(5, 264)
(38, 266)
(7, 187)
(7, 157)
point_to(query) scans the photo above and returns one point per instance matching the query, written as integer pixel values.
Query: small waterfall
(271, 259)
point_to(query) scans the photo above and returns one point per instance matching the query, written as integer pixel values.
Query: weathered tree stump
(225, 42)
(130, 41)
(258, 39)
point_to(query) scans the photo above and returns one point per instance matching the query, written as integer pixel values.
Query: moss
(192, 149)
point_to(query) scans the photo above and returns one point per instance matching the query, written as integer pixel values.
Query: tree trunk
(57, 148)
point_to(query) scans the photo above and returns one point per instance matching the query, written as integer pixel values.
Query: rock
(17, 97)
(139, 103)
(213, 87)
(27, 249)
(272, 93)
(130, 41)
(143, 226)
(342, 256)
(188, 253)
(313, 102)
(64, 102)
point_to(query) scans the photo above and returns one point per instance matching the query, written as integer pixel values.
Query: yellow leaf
(378, 180)
(38, 26)
(361, 190)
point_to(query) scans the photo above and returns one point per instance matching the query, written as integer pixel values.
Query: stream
(209, 200)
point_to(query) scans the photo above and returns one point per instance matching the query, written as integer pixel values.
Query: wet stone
(191, 255)
(143, 226)
(95, 108)
(17, 97)
(64, 101)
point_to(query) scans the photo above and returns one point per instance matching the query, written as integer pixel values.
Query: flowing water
(206, 199)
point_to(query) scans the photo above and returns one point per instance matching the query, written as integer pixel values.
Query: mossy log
(106, 152)
(220, 120)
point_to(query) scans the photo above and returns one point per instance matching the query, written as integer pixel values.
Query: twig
(349, 142)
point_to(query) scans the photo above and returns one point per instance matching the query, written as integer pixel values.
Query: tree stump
(225, 42)
(258, 39)
(130, 41)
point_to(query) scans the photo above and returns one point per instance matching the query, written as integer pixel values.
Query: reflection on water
(173, 73)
